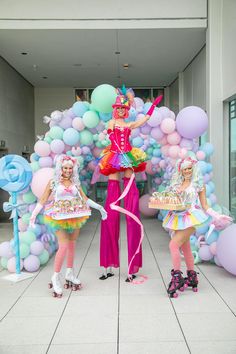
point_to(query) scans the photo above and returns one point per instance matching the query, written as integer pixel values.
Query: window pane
(232, 172)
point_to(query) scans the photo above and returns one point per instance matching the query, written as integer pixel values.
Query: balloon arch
(80, 131)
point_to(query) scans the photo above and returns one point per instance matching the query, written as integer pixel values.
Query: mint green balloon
(86, 137)
(191, 154)
(29, 198)
(87, 104)
(103, 97)
(4, 262)
(99, 144)
(161, 188)
(56, 132)
(43, 257)
(90, 119)
(40, 219)
(34, 166)
(26, 218)
(24, 250)
(27, 237)
(149, 151)
(48, 139)
(92, 108)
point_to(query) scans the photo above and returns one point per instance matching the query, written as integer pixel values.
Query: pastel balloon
(226, 249)
(103, 97)
(11, 265)
(56, 132)
(78, 124)
(36, 248)
(79, 108)
(191, 122)
(45, 161)
(143, 206)
(96, 152)
(168, 125)
(90, 119)
(42, 148)
(57, 147)
(186, 143)
(149, 168)
(66, 122)
(86, 138)
(205, 253)
(71, 136)
(157, 133)
(173, 151)
(6, 250)
(173, 138)
(165, 112)
(31, 263)
(40, 180)
(200, 155)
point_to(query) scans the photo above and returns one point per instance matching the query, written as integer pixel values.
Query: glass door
(232, 157)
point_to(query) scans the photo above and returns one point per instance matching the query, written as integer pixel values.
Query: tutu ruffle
(185, 219)
(111, 162)
(68, 225)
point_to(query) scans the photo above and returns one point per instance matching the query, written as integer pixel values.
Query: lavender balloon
(191, 122)
(226, 249)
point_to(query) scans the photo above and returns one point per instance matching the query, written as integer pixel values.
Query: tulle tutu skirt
(181, 220)
(111, 162)
(68, 225)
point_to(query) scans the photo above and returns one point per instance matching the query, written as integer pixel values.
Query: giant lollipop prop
(15, 176)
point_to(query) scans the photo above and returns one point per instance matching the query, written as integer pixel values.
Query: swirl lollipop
(15, 175)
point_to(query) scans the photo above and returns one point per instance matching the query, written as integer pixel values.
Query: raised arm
(142, 121)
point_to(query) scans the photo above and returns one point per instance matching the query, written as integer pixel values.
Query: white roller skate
(56, 285)
(71, 280)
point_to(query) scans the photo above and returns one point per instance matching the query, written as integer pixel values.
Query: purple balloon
(226, 249)
(57, 146)
(146, 129)
(31, 207)
(191, 122)
(157, 133)
(135, 133)
(205, 253)
(36, 248)
(45, 161)
(186, 143)
(70, 113)
(6, 250)
(31, 263)
(66, 122)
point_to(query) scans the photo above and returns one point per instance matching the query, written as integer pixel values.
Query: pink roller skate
(192, 280)
(177, 283)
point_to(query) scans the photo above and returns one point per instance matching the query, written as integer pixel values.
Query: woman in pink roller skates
(65, 215)
(188, 183)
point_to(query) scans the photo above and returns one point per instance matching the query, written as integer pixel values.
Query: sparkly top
(120, 139)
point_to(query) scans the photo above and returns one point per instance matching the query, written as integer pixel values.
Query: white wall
(16, 110)
(174, 96)
(229, 48)
(102, 9)
(48, 100)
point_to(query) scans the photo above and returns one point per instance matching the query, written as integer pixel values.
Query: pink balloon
(165, 149)
(97, 152)
(156, 133)
(78, 124)
(91, 166)
(213, 248)
(11, 265)
(45, 161)
(76, 151)
(40, 180)
(168, 125)
(21, 225)
(173, 138)
(200, 155)
(163, 141)
(173, 151)
(42, 148)
(183, 153)
(172, 115)
(165, 112)
(143, 206)
(57, 146)
(162, 163)
(86, 150)
(149, 168)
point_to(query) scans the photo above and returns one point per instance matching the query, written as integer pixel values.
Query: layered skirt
(180, 220)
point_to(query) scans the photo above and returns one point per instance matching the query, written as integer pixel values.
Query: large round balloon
(143, 206)
(103, 97)
(226, 248)
(15, 173)
(40, 180)
(191, 122)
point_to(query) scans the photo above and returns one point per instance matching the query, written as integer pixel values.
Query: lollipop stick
(16, 235)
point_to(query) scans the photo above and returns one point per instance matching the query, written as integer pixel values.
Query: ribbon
(113, 206)
(15, 209)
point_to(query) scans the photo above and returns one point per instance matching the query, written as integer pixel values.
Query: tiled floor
(112, 316)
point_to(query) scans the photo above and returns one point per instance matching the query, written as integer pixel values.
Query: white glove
(94, 205)
(34, 214)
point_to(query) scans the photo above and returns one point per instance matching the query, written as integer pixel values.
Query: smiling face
(67, 171)
(187, 172)
(121, 111)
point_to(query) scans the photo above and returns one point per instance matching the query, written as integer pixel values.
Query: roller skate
(192, 280)
(71, 280)
(56, 285)
(177, 283)
(106, 274)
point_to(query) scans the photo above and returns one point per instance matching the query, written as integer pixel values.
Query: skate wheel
(195, 290)
(185, 285)
(74, 288)
(49, 285)
(182, 288)
(54, 294)
(174, 295)
(66, 286)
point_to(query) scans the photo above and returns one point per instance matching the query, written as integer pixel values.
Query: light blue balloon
(146, 107)
(138, 141)
(208, 190)
(209, 167)
(202, 166)
(193, 240)
(212, 186)
(208, 148)
(79, 108)
(105, 117)
(203, 228)
(71, 136)
(156, 152)
(132, 115)
(34, 157)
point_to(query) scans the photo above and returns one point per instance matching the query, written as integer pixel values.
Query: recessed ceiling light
(77, 64)
(24, 53)
(117, 52)
(44, 77)
(125, 66)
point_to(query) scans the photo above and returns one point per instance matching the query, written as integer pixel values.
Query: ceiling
(87, 58)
